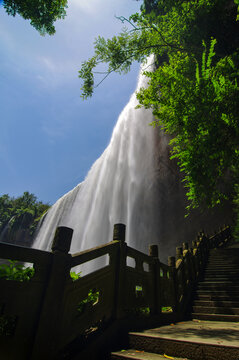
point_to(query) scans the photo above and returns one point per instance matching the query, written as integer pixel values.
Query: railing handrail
(91, 254)
(22, 253)
(162, 285)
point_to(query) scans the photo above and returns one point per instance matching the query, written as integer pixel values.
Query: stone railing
(41, 317)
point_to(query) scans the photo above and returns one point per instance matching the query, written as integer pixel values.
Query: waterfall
(117, 189)
(133, 182)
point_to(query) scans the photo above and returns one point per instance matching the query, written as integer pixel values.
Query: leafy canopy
(198, 105)
(193, 91)
(41, 13)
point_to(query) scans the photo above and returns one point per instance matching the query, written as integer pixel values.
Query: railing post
(192, 265)
(172, 264)
(119, 235)
(196, 259)
(154, 268)
(179, 253)
(185, 246)
(180, 273)
(46, 339)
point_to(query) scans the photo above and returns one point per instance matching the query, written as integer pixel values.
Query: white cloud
(48, 63)
(90, 7)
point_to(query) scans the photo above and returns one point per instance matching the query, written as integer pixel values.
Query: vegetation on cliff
(19, 217)
(193, 92)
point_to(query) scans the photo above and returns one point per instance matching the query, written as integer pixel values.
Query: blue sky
(49, 136)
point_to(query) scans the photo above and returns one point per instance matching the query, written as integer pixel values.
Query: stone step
(219, 286)
(221, 271)
(214, 303)
(195, 340)
(216, 317)
(139, 355)
(215, 310)
(216, 267)
(217, 294)
(215, 275)
(224, 275)
(218, 291)
(219, 298)
(215, 281)
(220, 266)
(229, 276)
(221, 280)
(225, 283)
(223, 261)
(226, 259)
(226, 256)
(225, 252)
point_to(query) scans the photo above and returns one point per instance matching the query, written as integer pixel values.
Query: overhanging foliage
(194, 89)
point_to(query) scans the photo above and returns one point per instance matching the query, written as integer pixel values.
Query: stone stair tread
(212, 282)
(216, 280)
(220, 278)
(222, 262)
(220, 267)
(216, 298)
(218, 257)
(219, 286)
(216, 317)
(140, 355)
(213, 271)
(221, 273)
(218, 292)
(211, 278)
(211, 303)
(221, 270)
(208, 332)
(196, 339)
(216, 310)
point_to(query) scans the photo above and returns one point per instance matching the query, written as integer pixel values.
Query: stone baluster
(120, 297)
(46, 337)
(172, 264)
(155, 308)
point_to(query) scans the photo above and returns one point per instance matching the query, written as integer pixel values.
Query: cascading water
(117, 189)
(133, 182)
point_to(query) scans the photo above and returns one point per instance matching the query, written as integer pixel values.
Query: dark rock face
(170, 195)
(20, 236)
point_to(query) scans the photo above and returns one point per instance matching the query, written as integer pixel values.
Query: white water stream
(117, 189)
(135, 183)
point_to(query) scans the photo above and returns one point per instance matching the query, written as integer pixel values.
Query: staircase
(217, 296)
(213, 332)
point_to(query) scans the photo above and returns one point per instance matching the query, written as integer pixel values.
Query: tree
(198, 105)
(41, 13)
(193, 92)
